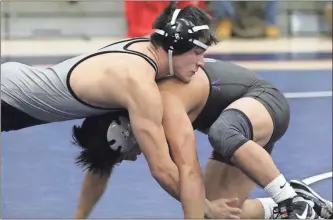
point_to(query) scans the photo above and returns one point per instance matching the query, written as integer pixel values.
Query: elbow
(165, 172)
(159, 176)
(161, 172)
(192, 172)
(186, 161)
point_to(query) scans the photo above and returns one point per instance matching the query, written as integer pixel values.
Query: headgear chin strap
(180, 36)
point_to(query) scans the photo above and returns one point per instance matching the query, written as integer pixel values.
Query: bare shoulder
(126, 79)
(143, 91)
(131, 66)
(199, 81)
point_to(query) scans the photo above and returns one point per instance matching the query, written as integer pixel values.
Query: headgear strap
(180, 36)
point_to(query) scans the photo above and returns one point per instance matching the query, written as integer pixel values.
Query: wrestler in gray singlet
(45, 93)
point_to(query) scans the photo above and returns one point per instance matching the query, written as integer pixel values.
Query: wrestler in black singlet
(230, 82)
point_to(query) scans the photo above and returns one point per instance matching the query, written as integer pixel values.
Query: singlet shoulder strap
(148, 59)
(128, 42)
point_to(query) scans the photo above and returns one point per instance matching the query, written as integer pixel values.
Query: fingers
(235, 211)
(228, 208)
(234, 217)
(231, 201)
(233, 207)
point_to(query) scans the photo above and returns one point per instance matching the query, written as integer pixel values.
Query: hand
(224, 209)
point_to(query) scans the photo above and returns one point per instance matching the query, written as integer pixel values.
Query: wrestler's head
(184, 36)
(105, 141)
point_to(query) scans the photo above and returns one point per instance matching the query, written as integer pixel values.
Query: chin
(187, 79)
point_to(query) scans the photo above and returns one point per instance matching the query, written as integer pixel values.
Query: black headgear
(180, 36)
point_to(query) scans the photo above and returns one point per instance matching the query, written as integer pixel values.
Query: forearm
(207, 208)
(93, 188)
(192, 193)
(150, 136)
(186, 188)
(153, 145)
(168, 179)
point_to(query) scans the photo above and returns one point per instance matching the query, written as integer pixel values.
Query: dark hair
(96, 154)
(191, 13)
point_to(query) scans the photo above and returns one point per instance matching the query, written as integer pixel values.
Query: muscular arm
(146, 112)
(182, 104)
(93, 188)
(180, 135)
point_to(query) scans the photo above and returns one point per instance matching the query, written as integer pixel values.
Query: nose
(201, 61)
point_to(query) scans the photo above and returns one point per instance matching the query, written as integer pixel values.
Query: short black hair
(191, 13)
(96, 154)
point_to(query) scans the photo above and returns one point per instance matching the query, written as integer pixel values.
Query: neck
(161, 59)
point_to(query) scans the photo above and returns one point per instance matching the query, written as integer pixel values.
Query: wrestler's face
(187, 64)
(132, 154)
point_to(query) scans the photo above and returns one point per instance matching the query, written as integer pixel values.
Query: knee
(229, 132)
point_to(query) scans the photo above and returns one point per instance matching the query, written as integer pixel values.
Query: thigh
(14, 119)
(226, 181)
(277, 106)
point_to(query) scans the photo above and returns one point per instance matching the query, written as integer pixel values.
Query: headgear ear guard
(119, 134)
(180, 36)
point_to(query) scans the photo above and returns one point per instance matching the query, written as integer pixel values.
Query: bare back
(105, 80)
(193, 95)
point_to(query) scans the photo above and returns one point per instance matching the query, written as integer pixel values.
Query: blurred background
(288, 43)
(117, 19)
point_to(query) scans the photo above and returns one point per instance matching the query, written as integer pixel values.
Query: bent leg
(225, 181)
(238, 136)
(261, 208)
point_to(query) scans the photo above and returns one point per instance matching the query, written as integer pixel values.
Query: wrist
(207, 208)
(79, 214)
